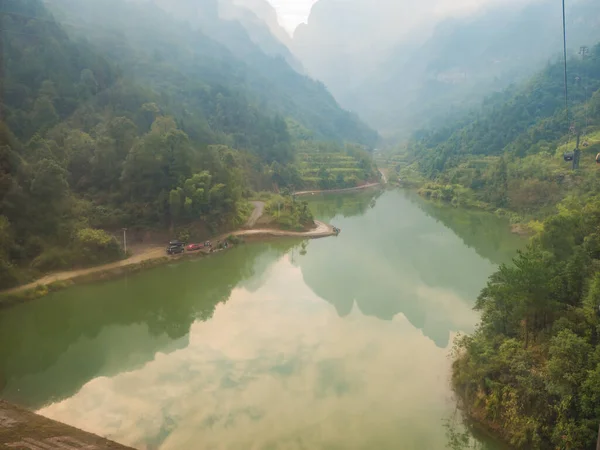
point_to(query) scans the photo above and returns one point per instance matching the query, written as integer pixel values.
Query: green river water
(339, 343)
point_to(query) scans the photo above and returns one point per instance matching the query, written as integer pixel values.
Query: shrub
(184, 235)
(235, 240)
(8, 275)
(96, 247)
(52, 259)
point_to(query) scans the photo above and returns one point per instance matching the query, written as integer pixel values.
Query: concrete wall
(23, 430)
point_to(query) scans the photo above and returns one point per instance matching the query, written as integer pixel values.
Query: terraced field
(335, 170)
(391, 160)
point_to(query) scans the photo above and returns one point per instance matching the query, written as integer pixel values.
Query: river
(338, 343)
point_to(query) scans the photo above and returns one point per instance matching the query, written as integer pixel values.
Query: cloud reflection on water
(277, 370)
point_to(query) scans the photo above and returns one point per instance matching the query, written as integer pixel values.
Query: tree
(142, 175)
(6, 238)
(532, 366)
(124, 133)
(499, 184)
(88, 86)
(7, 168)
(49, 184)
(80, 149)
(568, 362)
(105, 164)
(178, 154)
(147, 115)
(176, 205)
(196, 190)
(44, 115)
(96, 246)
(48, 191)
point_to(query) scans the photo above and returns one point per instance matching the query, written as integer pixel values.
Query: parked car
(175, 248)
(194, 247)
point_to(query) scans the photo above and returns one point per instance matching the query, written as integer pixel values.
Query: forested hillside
(531, 372)
(126, 118)
(509, 153)
(207, 52)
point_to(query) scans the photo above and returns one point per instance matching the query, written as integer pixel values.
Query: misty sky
(292, 12)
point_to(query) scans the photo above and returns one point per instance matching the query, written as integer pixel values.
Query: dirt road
(384, 179)
(259, 209)
(148, 254)
(151, 253)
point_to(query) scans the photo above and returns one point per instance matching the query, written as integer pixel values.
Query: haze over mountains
(405, 65)
(400, 66)
(236, 43)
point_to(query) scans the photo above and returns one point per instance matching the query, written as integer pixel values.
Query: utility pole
(598, 444)
(125, 240)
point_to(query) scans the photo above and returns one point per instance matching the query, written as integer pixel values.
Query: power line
(583, 51)
(564, 17)
(576, 153)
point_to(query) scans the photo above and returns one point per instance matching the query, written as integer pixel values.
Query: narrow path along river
(154, 252)
(338, 343)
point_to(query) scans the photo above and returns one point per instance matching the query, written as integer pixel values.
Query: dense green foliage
(509, 154)
(209, 70)
(531, 372)
(132, 119)
(289, 213)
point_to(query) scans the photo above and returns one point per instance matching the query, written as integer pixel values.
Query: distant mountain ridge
(237, 60)
(434, 72)
(259, 18)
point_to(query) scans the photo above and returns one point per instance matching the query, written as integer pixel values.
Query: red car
(194, 247)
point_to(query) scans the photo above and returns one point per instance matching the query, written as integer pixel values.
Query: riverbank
(157, 327)
(337, 191)
(530, 372)
(150, 257)
(461, 197)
